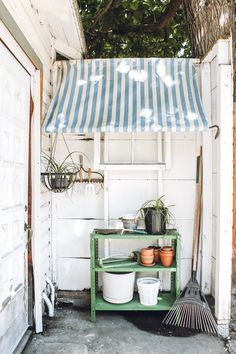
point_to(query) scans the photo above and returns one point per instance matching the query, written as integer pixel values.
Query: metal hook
(218, 130)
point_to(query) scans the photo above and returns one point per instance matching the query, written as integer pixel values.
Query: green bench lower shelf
(165, 303)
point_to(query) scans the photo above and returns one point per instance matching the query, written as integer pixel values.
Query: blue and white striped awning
(126, 95)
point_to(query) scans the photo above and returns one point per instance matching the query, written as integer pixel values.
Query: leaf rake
(191, 310)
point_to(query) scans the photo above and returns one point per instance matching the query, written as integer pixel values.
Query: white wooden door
(14, 127)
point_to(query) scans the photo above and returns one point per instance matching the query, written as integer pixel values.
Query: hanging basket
(58, 182)
(59, 176)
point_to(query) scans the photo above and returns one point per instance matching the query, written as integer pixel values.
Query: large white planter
(118, 288)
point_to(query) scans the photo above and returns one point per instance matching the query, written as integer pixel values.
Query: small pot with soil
(60, 181)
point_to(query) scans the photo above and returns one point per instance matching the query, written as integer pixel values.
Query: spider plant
(156, 215)
(59, 176)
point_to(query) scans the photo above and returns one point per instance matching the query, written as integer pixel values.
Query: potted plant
(156, 215)
(59, 176)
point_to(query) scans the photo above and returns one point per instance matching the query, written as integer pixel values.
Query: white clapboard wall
(41, 41)
(75, 215)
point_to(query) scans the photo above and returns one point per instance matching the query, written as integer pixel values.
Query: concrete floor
(72, 332)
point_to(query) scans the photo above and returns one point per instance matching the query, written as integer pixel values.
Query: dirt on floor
(72, 332)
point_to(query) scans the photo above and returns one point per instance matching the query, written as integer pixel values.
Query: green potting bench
(167, 298)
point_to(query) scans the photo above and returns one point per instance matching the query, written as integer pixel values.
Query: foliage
(160, 206)
(59, 176)
(53, 166)
(121, 32)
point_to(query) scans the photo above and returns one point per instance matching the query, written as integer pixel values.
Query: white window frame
(164, 150)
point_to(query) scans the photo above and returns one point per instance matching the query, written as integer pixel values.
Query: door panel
(14, 123)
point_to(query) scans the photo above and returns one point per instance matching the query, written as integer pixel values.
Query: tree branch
(161, 25)
(169, 13)
(103, 12)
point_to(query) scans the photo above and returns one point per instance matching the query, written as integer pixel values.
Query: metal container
(155, 221)
(130, 221)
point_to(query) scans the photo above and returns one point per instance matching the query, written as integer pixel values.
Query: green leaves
(134, 5)
(53, 166)
(116, 31)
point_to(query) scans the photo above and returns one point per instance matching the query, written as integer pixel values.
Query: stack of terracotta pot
(152, 255)
(156, 251)
(147, 256)
(167, 256)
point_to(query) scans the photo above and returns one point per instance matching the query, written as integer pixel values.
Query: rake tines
(191, 313)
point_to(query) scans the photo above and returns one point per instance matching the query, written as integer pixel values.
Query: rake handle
(81, 168)
(197, 214)
(89, 175)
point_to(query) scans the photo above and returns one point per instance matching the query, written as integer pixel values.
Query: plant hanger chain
(69, 153)
(54, 144)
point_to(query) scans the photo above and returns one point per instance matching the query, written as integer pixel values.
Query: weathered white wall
(45, 33)
(219, 84)
(220, 98)
(14, 113)
(75, 216)
(215, 167)
(41, 41)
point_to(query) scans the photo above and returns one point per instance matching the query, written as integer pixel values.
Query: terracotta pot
(166, 257)
(147, 259)
(167, 249)
(147, 252)
(156, 254)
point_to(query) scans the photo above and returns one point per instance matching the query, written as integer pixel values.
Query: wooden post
(36, 129)
(234, 207)
(225, 200)
(206, 241)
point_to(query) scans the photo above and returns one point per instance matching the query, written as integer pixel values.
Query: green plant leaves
(159, 205)
(113, 37)
(53, 166)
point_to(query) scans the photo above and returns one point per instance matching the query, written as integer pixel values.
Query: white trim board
(36, 130)
(222, 149)
(14, 47)
(225, 199)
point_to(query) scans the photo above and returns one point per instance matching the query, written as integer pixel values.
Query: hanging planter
(58, 182)
(59, 177)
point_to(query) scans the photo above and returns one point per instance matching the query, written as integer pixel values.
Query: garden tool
(90, 189)
(191, 309)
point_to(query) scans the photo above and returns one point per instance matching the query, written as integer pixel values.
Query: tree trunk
(207, 21)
